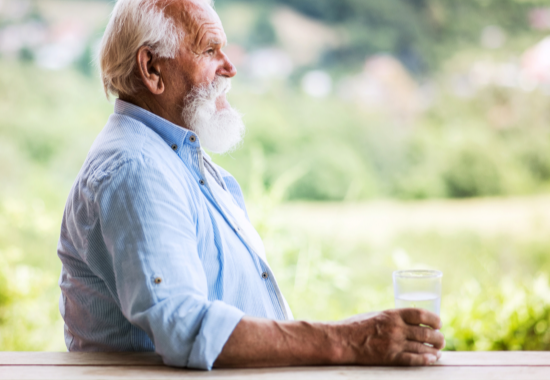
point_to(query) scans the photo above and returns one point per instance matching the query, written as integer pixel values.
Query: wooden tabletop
(453, 365)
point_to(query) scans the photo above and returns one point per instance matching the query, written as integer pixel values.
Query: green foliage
(509, 315)
(471, 173)
(422, 33)
(29, 317)
(326, 278)
(262, 33)
(452, 151)
(327, 281)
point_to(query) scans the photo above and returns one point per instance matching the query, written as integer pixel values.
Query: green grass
(496, 292)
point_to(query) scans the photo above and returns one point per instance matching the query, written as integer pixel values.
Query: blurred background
(382, 135)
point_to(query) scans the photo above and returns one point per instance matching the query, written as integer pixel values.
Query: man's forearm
(259, 342)
(391, 337)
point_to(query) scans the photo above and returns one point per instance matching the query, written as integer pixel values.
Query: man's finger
(410, 359)
(426, 335)
(420, 348)
(421, 317)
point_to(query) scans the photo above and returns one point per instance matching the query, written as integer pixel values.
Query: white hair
(219, 131)
(133, 24)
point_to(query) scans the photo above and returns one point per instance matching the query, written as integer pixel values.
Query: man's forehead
(190, 14)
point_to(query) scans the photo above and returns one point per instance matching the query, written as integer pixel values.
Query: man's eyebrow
(215, 41)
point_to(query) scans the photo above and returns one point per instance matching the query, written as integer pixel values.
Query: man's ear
(150, 70)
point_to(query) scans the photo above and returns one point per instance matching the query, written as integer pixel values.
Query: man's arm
(392, 337)
(150, 258)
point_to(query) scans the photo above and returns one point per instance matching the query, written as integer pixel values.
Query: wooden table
(453, 365)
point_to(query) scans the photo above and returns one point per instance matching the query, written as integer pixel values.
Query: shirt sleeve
(148, 222)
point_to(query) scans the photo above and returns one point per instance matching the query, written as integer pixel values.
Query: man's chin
(222, 133)
(222, 103)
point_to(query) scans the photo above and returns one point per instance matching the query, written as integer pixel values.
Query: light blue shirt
(153, 259)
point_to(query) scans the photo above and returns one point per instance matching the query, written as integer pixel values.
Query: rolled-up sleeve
(148, 223)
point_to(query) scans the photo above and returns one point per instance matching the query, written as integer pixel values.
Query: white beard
(218, 131)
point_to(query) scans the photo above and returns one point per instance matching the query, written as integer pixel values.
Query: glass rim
(418, 273)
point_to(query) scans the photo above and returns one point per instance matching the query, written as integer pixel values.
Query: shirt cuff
(217, 325)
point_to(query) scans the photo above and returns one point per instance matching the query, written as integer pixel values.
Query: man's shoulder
(124, 141)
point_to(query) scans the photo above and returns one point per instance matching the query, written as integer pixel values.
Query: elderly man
(158, 253)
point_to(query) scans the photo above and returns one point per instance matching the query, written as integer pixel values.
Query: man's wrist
(334, 348)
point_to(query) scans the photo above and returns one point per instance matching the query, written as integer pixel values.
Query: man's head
(166, 56)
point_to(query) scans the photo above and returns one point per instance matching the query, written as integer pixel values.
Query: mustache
(209, 92)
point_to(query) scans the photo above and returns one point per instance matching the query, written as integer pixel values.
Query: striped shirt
(155, 254)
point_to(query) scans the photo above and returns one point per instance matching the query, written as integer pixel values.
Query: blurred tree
(262, 33)
(421, 33)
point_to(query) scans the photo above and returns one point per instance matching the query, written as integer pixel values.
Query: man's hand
(392, 337)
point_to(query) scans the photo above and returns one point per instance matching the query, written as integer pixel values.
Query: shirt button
(174, 147)
(158, 280)
(201, 182)
(192, 138)
(265, 275)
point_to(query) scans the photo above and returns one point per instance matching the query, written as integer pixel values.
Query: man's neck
(156, 106)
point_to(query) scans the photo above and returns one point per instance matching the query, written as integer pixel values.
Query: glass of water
(418, 288)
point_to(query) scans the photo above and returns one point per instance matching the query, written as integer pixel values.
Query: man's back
(149, 260)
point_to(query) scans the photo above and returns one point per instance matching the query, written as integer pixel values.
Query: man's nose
(227, 69)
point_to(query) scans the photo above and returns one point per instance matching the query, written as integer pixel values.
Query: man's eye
(210, 51)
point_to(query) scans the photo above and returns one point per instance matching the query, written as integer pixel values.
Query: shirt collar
(174, 135)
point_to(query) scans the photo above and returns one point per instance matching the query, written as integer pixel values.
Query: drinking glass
(418, 288)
